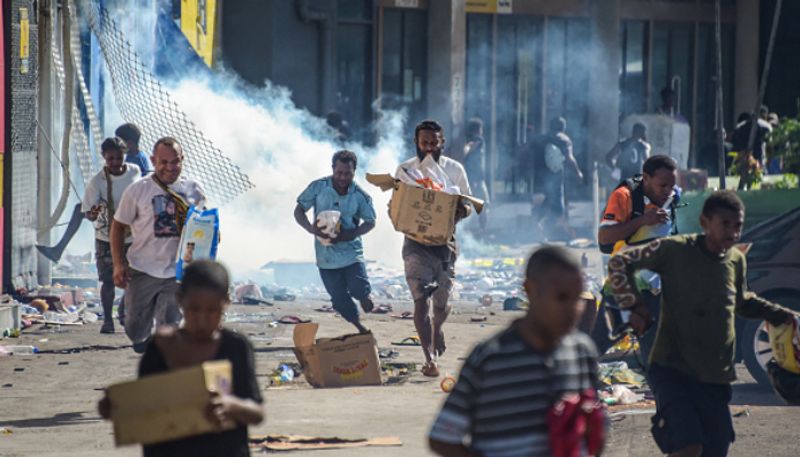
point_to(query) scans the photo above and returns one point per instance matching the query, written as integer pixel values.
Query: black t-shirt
(238, 350)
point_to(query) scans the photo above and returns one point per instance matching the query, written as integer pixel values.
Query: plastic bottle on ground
(18, 350)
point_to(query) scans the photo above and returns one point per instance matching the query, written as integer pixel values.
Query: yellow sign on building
(489, 6)
(199, 25)
(24, 40)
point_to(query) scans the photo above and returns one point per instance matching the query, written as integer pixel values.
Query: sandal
(405, 315)
(382, 309)
(408, 341)
(430, 370)
(293, 320)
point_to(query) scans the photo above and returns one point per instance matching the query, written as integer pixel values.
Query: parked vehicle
(773, 271)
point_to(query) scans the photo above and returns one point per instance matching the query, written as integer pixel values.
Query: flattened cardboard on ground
(168, 406)
(347, 360)
(424, 215)
(296, 443)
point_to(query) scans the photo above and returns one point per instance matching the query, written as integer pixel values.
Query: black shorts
(690, 412)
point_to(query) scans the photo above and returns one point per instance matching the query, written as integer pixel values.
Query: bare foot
(430, 370)
(367, 305)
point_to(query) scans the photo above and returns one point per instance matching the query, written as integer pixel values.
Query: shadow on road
(59, 419)
(753, 394)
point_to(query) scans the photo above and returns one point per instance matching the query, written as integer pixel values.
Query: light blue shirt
(141, 160)
(355, 207)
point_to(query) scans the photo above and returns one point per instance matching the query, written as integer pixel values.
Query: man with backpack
(553, 157)
(642, 208)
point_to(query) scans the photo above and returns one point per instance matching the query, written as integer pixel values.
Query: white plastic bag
(329, 223)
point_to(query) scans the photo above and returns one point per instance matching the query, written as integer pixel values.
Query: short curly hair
(722, 200)
(345, 156)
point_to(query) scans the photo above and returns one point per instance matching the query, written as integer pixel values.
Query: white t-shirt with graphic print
(96, 194)
(150, 212)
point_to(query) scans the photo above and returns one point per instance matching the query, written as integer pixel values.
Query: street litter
(408, 315)
(6, 431)
(382, 309)
(388, 354)
(294, 442)
(448, 383)
(745, 412)
(619, 373)
(408, 341)
(293, 320)
(514, 304)
(623, 396)
(347, 360)
(398, 369)
(285, 373)
(6, 351)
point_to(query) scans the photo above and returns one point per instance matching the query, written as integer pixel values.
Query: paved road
(48, 400)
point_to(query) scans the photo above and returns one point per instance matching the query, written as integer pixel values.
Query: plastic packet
(199, 238)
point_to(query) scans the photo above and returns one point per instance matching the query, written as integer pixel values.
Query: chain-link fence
(142, 99)
(24, 92)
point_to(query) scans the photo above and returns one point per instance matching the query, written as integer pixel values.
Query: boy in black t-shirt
(203, 296)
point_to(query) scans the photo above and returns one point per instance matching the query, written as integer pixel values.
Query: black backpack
(634, 184)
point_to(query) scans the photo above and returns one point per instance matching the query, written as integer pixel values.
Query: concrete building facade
(515, 64)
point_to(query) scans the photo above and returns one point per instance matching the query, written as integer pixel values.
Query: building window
(633, 76)
(405, 62)
(354, 75)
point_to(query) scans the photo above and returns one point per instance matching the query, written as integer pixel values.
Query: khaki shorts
(429, 272)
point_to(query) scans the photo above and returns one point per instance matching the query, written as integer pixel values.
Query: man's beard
(421, 154)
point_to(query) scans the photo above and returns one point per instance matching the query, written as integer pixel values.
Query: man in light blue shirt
(131, 135)
(341, 258)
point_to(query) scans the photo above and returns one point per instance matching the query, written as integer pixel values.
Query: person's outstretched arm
(751, 306)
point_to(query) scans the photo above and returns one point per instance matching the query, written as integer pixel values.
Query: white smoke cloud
(282, 148)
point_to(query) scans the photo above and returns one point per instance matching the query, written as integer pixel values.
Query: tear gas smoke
(283, 148)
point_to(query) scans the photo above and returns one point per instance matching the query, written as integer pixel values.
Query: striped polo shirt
(498, 407)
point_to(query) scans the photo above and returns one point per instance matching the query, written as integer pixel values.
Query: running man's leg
(420, 276)
(167, 311)
(140, 304)
(441, 305)
(335, 282)
(105, 273)
(358, 285)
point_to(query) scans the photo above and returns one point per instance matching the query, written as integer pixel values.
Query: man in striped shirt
(509, 384)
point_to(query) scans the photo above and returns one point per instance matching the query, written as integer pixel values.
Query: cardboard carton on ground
(168, 406)
(348, 360)
(424, 215)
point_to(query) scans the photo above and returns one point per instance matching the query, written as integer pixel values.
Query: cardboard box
(424, 215)
(168, 406)
(348, 360)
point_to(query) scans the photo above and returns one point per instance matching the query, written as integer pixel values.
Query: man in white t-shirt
(154, 210)
(430, 269)
(103, 193)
